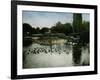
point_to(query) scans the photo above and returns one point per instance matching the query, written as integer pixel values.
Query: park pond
(56, 55)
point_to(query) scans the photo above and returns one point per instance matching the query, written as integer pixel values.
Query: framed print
(53, 39)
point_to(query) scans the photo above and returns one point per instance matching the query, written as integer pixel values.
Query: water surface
(56, 55)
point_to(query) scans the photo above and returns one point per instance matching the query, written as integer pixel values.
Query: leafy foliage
(62, 28)
(44, 30)
(77, 22)
(27, 29)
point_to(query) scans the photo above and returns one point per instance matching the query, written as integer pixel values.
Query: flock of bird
(46, 50)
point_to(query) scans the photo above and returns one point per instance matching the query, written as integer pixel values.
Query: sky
(48, 19)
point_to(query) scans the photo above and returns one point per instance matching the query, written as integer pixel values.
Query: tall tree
(77, 22)
(85, 26)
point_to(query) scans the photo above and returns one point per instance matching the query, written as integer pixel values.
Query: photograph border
(14, 39)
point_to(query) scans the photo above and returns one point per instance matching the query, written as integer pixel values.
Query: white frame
(21, 71)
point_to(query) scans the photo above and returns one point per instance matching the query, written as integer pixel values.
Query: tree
(58, 24)
(67, 28)
(37, 30)
(62, 28)
(44, 30)
(34, 31)
(77, 22)
(27, 29)
(85, 26)
(53, 29)
(57, 28)
(84, 36)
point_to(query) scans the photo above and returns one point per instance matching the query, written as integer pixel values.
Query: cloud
(48, 19)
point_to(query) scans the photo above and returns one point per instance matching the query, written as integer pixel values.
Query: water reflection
(56, 55)
(77, 54)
